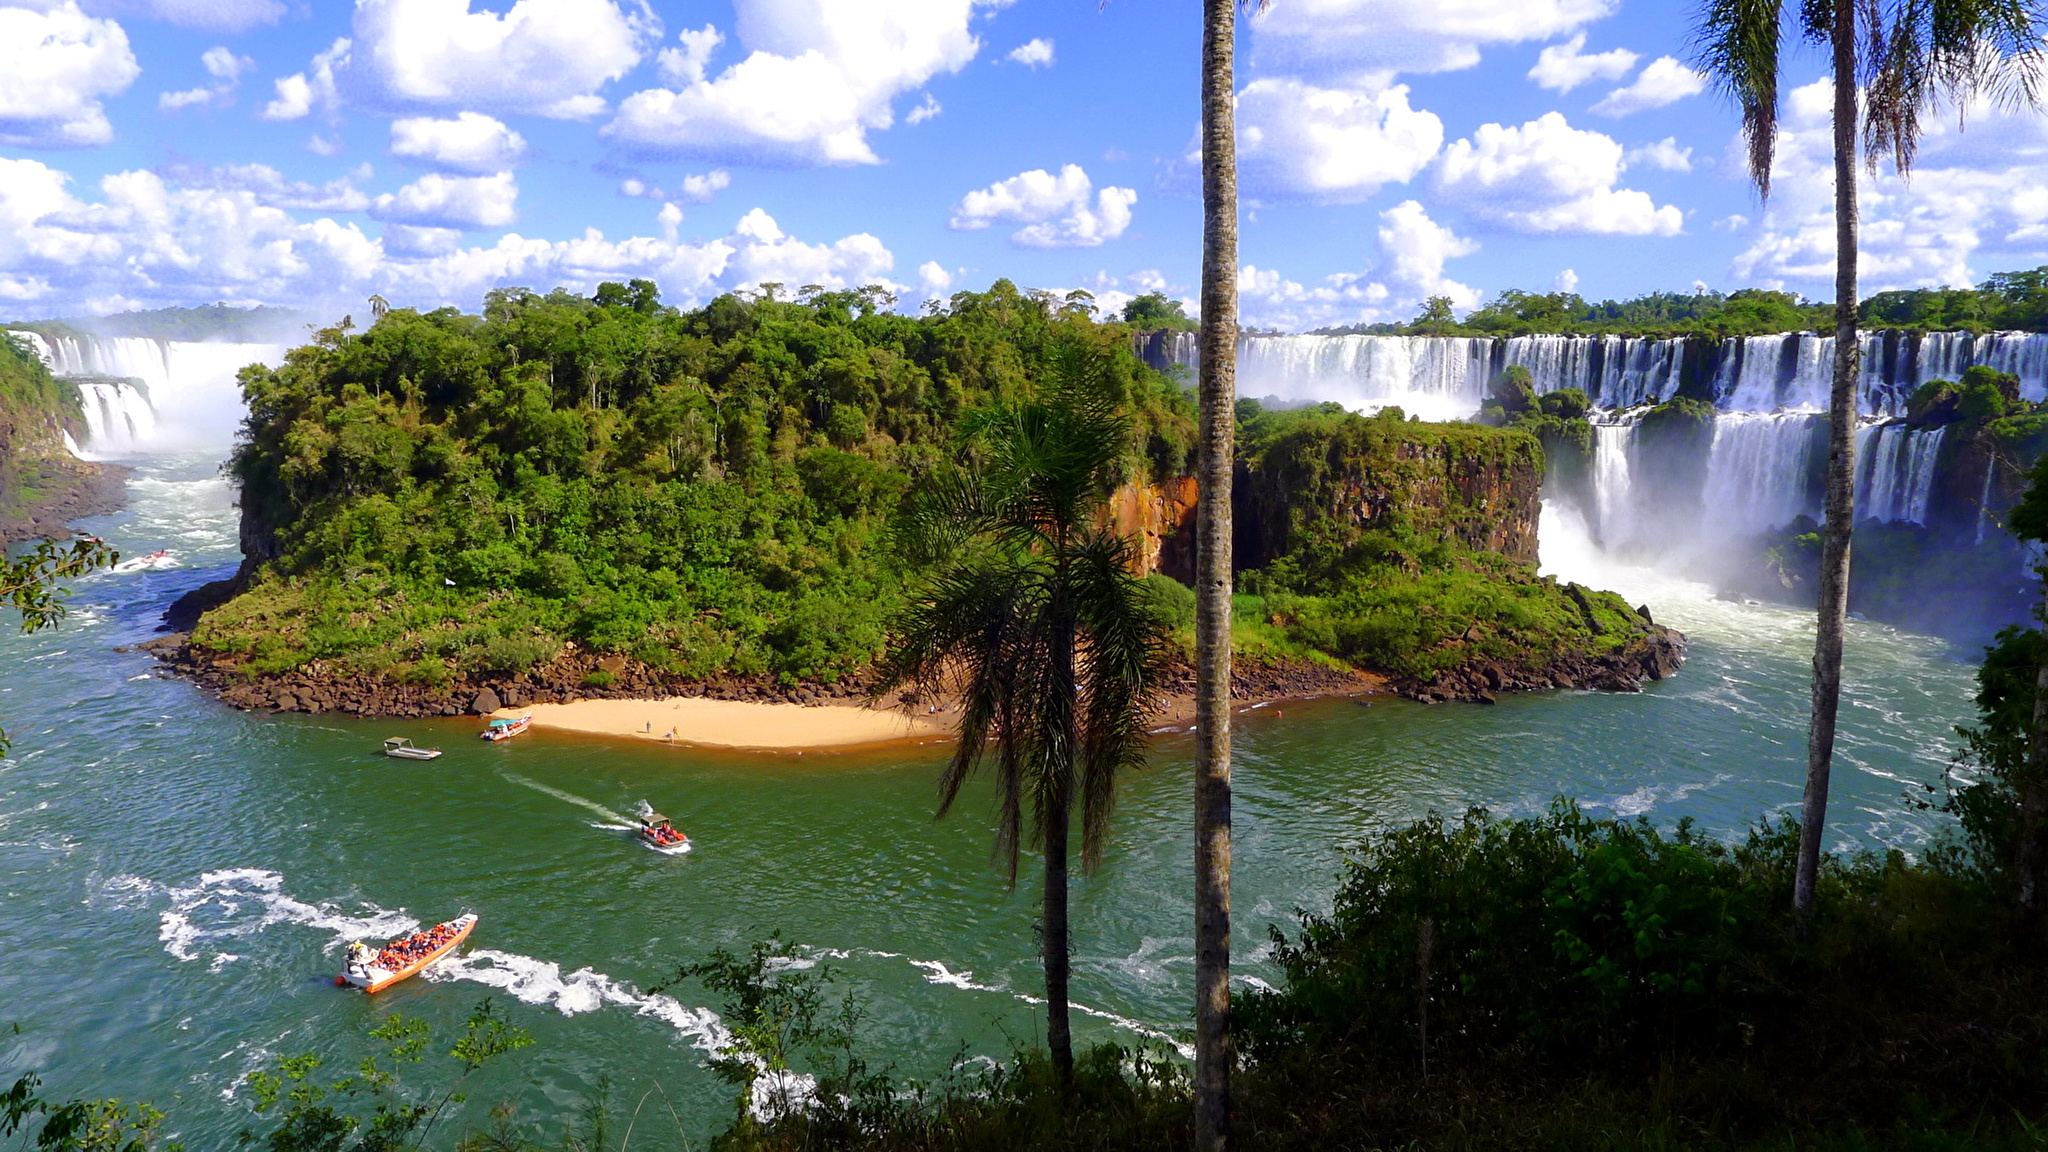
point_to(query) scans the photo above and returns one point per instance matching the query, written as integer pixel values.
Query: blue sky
(159, 152)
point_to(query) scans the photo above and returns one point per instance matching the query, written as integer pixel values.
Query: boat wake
(572, 798)
(542, 983)
(237, 903)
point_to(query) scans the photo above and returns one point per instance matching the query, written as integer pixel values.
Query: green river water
(177, 878)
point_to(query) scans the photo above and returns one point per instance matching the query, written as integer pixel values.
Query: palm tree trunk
(2034, 795)
(1841, 478)
(1218, 398)
(1059, 1033)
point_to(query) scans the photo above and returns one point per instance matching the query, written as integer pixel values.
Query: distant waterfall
(1762, 466)
(140, 394)
(1451, 374)
(1895, 472)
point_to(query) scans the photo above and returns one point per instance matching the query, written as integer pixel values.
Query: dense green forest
(2007, 301)
(711, 492)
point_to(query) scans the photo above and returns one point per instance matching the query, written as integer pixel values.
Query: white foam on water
(936, 972)
(236, 903)
(542, 983)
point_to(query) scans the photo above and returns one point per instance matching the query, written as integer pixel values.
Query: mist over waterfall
(142, 395)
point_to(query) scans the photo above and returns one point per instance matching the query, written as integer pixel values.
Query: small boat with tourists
(399, 748)
(374, 971)
(156, 561)
(657, 833)
(506, 729)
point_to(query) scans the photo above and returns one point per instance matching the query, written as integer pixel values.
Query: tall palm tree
(1904, 56)
(1217, 394)
(1036, 623)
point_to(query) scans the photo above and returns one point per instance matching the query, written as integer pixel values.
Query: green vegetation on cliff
(41, 484)
(447, 497)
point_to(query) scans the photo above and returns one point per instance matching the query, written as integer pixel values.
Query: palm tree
(1036, 623)
(1906, 55)
(1217, 394)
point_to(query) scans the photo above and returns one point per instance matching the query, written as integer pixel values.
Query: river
(177, 878)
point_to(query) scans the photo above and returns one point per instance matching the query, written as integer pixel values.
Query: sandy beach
(730, 723)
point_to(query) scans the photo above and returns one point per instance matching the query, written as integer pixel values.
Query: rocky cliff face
(43, 487)
(1477, 487)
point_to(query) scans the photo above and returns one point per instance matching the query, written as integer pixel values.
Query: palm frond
(1924, 53)
(1124, 668)
(1737, 44)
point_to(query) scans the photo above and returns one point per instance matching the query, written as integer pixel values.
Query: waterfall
(1613, 484)
(141, 394)
(1757, 471)
(1895, 472)
(1437, 378)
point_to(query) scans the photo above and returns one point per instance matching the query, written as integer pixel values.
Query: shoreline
(733, 724)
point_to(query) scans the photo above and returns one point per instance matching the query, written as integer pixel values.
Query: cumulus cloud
(438, 201)
(1056, 211)
(1349, 37)
(204, 15)
(147, 241)
(924, 111)
(1662, 81)
(1565, 281)
(693, 189)
(544, 57)
(1296, 140)
(271, 188)
(1563, 67)
(1032, 53)
(1977, 202)
(470, 142)
(685, 65)
(933, 279)
(1665, 154)
(1548, 177)
(818, 77)
(225, 67)
(56, 63)
(1410, 268)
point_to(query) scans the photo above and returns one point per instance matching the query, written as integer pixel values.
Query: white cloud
(1662, 81)
(1566, 281)
(1665, 154)
(204, 15)
(56, 63)
(225, 67)
(146, 242)
(933, 279)
(685, 65)
(924, 111)
(1562, 67)
(470, 142)
(544, 57)
(439, 201)
(1546, 176)
(1412, 252)
(1329, 144)
(819, 76)
(1977, 202)
(272, 189)
(299, 92)
(694, 189)
(1032, 53)
(1350, 37)
(703, 189)
(1056, 210)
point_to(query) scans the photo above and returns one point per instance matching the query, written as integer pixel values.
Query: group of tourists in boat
(657, 833)
(403, 957)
